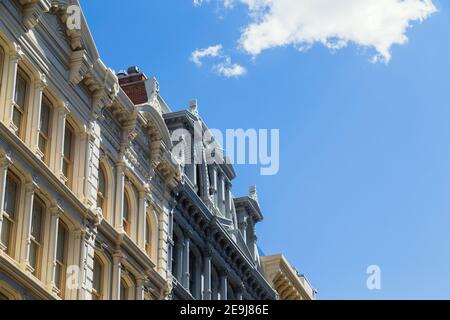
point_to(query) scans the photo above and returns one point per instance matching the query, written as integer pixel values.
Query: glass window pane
(126, 208)
(6, 232)
(101, 181)
(123, 291)
(17, 118)
(68, 143)
(45, 118)
(33, 254)
(42, 144)
(10, 197)
(21, 89)
(37, 220)
(97, 276)
(60, 247)
(58, 276)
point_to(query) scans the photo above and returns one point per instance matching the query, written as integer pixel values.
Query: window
(68, 152)
(101, 194)
(44, 128)
(61, 258)
(123, 290)
(148, 247)
(126, 213)
(37, 224)
(97, 280)
(175, 256)
(20, 96)
(10, 211)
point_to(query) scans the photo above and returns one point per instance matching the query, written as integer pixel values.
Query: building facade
(95, 203)
(286, 280)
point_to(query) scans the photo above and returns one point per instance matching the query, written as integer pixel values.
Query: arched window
(126, 213)
(97, 287)
(61, 258)
(36, 245)
(44, 128)
(101, 194)
(69, 139)
(12, 192)
(20, 102)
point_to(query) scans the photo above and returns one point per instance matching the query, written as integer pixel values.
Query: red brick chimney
(133, 84)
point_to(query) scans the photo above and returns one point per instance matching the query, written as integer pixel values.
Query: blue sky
(365, 147)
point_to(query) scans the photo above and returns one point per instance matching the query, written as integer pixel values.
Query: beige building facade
(85, 177)
(286, 280)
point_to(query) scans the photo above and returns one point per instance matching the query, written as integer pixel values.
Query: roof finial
(193, 107)
(253, 194)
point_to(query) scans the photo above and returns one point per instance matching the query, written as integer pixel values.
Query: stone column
(140, 288)
(30, 189)
(5, 162)
(224, 285)
(87, 256)
(142, 218)
(228, 200)
(186, 249)
(221, 194)
(92, 163)
(15, 56)
(116, 275)
(120, 185)
(213, 186)
(50, 281)
(207, 292)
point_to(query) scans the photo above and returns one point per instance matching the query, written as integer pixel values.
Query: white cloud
(199, 54)
(230, 70)
(377, 24)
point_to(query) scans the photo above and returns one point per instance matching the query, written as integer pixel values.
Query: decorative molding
(33, 11)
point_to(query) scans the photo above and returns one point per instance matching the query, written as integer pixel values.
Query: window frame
(102, 196)
(45, 136)
(61, 282)
(12, 221)
(40, 243)
(126, 204)
(98, 294)
(68, 161)
(22, 110)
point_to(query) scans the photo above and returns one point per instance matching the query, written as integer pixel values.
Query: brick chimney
(133, 82)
